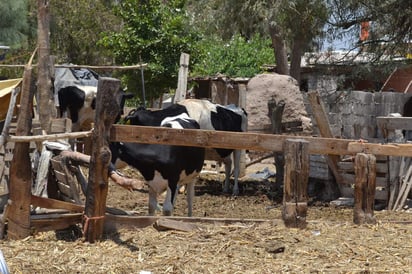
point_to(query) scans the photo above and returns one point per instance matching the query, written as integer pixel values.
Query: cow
(209, 116)
(79, 104)
(164, 167)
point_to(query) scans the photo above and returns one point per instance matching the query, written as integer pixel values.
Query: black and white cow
(79, 104)
(209, 116)
(164, 167)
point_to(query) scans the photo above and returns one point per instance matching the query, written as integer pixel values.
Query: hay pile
(325, 246)
(330, 243)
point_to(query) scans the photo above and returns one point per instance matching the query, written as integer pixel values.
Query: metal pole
(143, 88)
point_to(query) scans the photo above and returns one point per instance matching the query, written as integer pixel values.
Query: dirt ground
(331, 243)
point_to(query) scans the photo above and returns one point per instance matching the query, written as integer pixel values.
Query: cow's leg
(152, 202)
(168, 203)
(236, 171)
(228, 168)
(190, 194)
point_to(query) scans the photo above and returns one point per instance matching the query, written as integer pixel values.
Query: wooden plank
(168, 224)
(47, 222)
(248, 140)
(348, 191)
(55, 204)
(349, 167)
(20, 169)
(322, 122)
(223, 139)
(60, 176)
(49, 137)
(65, 189)
(390, 149)
(348, 179)
(61, 125)
(56, 163)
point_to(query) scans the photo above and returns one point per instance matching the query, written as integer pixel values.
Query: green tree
(292, 25)
(154, 32)
(13, 22)
(77, 26)
(238, 57)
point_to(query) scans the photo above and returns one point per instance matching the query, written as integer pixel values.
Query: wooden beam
(82, 66)
(322, 122)
(47, 222)
(390, 149)
(49, 137)
(222, 139)
(249, 140)
(55, 204)
(103, 67)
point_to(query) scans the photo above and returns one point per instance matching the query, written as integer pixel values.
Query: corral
(242, 234)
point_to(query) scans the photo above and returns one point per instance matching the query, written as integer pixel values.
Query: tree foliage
(390, 25)
(291, 24)
(238, 57)
(77, 26)
(154, 32)
(13, 22)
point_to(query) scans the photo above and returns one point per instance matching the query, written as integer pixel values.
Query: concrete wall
(352, 115)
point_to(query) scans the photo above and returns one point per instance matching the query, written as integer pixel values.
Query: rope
(87, 220)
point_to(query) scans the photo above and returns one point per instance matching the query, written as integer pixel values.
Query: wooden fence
(95, 214)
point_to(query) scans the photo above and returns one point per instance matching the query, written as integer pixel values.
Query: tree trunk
(279, 48)
(296, 57)
(44, 88)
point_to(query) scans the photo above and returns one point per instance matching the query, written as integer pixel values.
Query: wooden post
(365, 186)
(182, 80)
(20, 168)
(46, 106)
(107, 108)
(242, 104)
(275, 114)
(295, 195)
(397, 166)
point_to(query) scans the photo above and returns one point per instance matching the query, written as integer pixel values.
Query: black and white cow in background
(79, 104)
(164, 167)
(209, 116)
